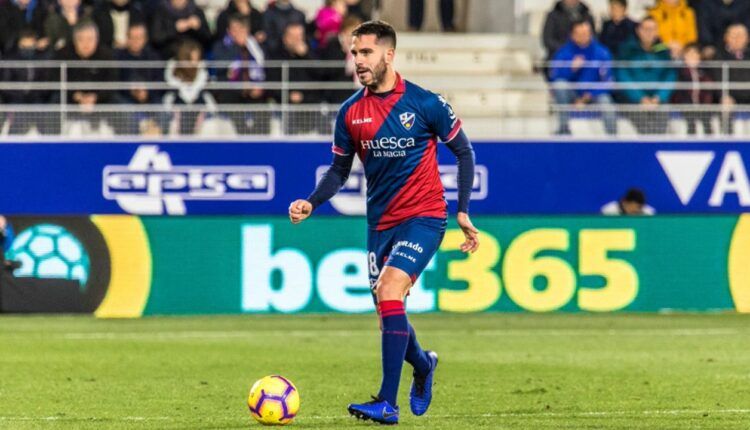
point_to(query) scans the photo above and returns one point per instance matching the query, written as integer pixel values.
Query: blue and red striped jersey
(396, 139)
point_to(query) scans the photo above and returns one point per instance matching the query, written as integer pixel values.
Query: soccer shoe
(377, 410)
(420, 395)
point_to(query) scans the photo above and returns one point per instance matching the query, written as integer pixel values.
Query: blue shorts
(408, 246)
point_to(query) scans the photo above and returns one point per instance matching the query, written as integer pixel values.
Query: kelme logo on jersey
(151, 185)
(407, 119)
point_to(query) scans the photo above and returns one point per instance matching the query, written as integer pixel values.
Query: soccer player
(393, 126)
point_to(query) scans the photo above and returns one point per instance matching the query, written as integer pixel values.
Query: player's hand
(299, 210)
(472, 234)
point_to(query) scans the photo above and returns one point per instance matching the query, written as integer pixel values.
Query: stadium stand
(494, 75)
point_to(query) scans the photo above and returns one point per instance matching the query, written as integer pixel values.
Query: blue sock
(415, 355)
(395, 336)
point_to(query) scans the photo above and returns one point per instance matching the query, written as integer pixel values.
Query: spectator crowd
(657, 61)
(243, 38)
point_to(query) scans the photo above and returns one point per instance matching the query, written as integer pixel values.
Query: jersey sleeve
(440, 118)
(342, 139)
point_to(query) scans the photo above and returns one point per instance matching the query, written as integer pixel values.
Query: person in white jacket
(188, 98)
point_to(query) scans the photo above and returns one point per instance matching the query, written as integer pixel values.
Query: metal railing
(498, 106)
(273, 115)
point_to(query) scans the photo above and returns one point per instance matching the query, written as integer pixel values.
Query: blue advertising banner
(263, 178)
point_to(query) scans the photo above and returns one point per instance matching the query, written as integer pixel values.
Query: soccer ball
(50, 251)
(273, 400)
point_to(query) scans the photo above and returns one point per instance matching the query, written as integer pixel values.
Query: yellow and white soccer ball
(273, 400)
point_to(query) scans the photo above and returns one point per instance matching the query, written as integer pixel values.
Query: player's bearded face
(371, 76)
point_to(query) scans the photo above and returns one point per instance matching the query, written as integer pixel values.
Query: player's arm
(446, 125)
(330, 184)
(334, 178)
(462, 149)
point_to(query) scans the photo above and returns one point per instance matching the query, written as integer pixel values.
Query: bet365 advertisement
(128, 266)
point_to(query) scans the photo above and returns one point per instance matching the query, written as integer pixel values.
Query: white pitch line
(439, 416)
(564, 414)
(61, 418)
(180, 335)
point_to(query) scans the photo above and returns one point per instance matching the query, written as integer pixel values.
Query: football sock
(415, 355)
(394, 338)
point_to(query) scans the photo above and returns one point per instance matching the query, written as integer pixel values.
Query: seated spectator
(277, 17)
(23, 122)
(559, 23)
(692, 73)
(328, 21)
(187, 77)
(85, 48)
(176, 20)
(677, 24)
(734, 51)
(113, 18)
(246, 68)
(16, 15)
(58, 27)
(338, 49)
(416, 15)
(632, 203)
(294, 47)
(583, 48)
(137, 50)
(647, 48)
(714, 17)
(245, 9)
(619, 28)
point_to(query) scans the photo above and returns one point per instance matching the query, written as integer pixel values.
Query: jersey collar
(398, 89)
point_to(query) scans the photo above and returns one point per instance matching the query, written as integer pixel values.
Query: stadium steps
(472, 54)
(488, 78)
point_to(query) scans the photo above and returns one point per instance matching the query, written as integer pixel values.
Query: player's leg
(391, 287)
(390, 290)
(379, 409)
(415, 355)
(411, 246)
(415, 245)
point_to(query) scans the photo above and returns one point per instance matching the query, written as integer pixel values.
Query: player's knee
(389, 289)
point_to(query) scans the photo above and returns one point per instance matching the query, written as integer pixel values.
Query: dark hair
(27, 32)
(239, 19)
(647, 18)
(635, 195)
(184, 54)
(623, 3)
(136, 24)
(692, 46)
(293, 24)
(381, 29)
(580, 21)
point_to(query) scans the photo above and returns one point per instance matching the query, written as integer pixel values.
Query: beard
(377, 75)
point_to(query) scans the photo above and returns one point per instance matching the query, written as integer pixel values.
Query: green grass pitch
(497, 371)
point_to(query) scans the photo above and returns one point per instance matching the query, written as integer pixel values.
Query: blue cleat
(377, 410)
(421, 387)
